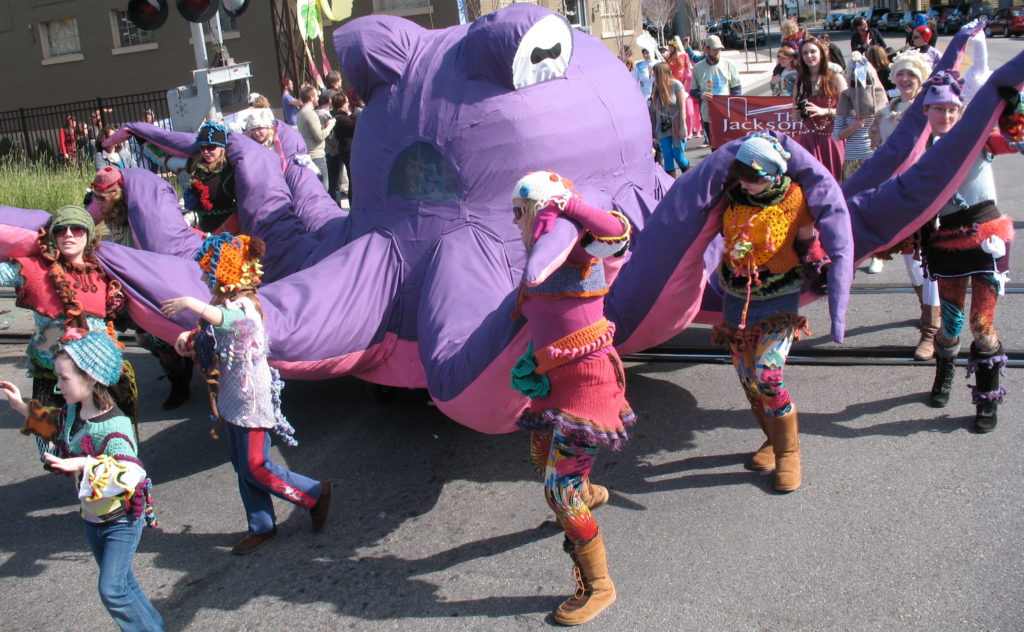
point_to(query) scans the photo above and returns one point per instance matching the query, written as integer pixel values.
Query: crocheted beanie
(914, 61)
(71, 215)
(260, 118)
(544, 187)
(925, 32)
(95, 353)
(107, 178)
(212, 133)
(763, 153)
(943, 87)
(233, 262)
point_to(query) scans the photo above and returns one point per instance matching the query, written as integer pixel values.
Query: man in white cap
(713, 76)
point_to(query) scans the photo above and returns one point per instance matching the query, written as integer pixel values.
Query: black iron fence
(67, 134)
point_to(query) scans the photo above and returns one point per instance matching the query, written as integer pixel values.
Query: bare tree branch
(698, 13)
(658, 14)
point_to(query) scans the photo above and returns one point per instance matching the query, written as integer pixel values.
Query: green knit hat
(69, 216)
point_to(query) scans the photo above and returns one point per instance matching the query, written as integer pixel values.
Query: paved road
(906, 520)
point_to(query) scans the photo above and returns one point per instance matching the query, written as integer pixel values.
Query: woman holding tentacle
(574, 379)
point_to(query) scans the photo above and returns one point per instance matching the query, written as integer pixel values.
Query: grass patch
(41, 185)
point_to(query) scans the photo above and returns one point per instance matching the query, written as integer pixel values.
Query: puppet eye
(543, 53)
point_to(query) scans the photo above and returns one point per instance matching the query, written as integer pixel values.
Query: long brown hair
(662, 85)
(826, 76)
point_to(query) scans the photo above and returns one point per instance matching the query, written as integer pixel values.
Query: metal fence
(41, 133)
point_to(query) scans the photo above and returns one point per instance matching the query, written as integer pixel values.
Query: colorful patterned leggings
(953, 297)
(566, 467)
(760, 369)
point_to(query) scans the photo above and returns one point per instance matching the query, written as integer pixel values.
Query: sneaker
(250, 543)
(875, 266)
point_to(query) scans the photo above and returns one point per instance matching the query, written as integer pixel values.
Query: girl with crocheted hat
(230, 346)
(65, 286)
(770, 250)
(971, 244)
(212, 191)
(97, 444)
(570, 371)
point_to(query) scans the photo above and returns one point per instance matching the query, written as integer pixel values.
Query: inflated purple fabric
(416, 287)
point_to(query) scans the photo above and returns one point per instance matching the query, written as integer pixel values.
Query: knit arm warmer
(10, 274)
(599, 222)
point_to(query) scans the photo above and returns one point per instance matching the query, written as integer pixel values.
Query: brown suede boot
(931, 319)
(594, 589)
(787, 451)
(764, 458)
(593, 496)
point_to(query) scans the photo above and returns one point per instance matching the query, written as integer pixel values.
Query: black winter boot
(945, 367)
(987, 394)
(180, 378)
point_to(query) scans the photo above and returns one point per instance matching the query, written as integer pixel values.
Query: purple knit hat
(943, 87)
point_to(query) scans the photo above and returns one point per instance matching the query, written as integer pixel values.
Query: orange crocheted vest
(757, 238)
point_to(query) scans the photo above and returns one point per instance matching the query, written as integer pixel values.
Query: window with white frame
(613, 19)
(60, 38)
(576, 13)
(126, 34)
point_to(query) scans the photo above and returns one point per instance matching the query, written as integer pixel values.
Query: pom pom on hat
(107, 178)
(763, 153)
(544, 187)
(95, 353)
(212, 133)
(913, 61)
(943, 87)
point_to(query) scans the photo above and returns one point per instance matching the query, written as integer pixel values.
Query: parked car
(891, 22)
(1006, 22)
(833, 21)
(714, 27)
(907, 21)
(954, 20)
(874, 15)
(732, 33)
(845, 22)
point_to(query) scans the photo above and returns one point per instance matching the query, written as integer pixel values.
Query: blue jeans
(259, 478)
(672, 153)
(113, 545)
(321, 164)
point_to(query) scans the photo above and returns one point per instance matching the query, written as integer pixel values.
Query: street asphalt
(906, 520)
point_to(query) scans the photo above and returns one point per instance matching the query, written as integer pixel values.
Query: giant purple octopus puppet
(416, 286)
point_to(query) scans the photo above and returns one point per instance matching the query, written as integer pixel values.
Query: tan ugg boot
(931, 319)
(594, 588)
(593, 496)
(764, 458)
(787, 451)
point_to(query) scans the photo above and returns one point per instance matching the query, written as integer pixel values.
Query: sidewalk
(758, 72)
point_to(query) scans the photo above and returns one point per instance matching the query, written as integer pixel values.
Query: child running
(230, 346)
(99, 446)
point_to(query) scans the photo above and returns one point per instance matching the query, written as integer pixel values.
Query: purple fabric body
(416, 289)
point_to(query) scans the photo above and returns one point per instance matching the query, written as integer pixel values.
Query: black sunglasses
(518, 212)
(76, 229)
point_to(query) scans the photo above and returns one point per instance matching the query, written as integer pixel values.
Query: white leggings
(930, 289)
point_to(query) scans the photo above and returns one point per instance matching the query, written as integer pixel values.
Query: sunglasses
(208, 147)
(77, 230)
(518, 212)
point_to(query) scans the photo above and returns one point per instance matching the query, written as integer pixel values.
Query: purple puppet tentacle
(154, 215)
(181, 144)
(891, 158)
(887, 214)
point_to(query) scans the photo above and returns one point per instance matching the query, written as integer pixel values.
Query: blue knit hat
(95, 353)
(212, 133)
(764, 154)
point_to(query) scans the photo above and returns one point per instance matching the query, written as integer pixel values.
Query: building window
(126, 34)
(576, 13)
(60, 38)
(402, 7)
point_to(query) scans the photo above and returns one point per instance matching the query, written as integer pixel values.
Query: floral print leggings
(953, 299)
(566, 466)
(760, 370)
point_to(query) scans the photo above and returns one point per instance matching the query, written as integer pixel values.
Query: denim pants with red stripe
(259, 478)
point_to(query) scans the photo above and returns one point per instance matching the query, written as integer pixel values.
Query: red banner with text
(734, 117)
